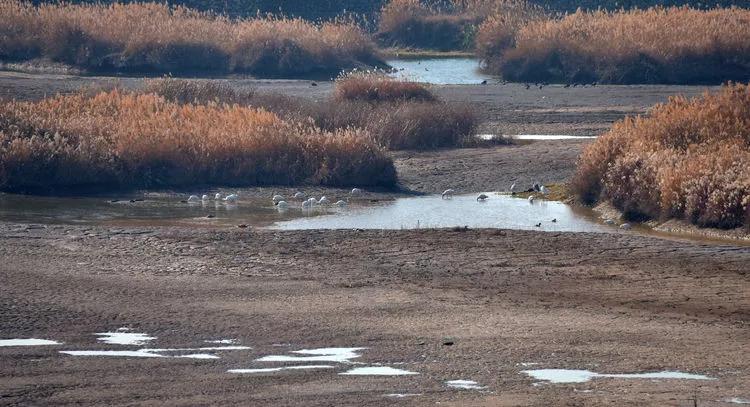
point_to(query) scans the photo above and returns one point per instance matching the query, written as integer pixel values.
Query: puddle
(156, 353)
(27, 342)
(498, 211)
(279, 369)
(581, 376)
(533, 137)
(440, 71)
(464, 384)
(337, 355)
(113, 353)
(124, 338)
(377, 371)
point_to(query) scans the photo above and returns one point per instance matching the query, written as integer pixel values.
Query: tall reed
(689, 158)
(153, 37)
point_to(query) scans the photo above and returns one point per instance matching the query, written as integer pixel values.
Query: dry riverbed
(459, 314)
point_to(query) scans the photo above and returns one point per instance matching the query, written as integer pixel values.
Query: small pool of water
(498, 211)
(534, 137)
(440, 71)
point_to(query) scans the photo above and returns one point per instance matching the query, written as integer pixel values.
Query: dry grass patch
(117, 140)
(397, 114)
(690, 159)
(658, 45)
(152, 37)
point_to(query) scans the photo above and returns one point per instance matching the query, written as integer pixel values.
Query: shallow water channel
(498, 211)
(440, 71)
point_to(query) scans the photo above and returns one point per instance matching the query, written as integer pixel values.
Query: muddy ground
(449, 305)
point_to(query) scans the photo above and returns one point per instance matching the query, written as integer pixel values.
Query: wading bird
(513, 188)
(231, 198)
(482, 197)
(447, 193)
(299, 195)
(531, 199)
(356, 191)
(282, 205)
(217, 196)
(277, 198)
(340, 204)
(324, 201)
(193, 199)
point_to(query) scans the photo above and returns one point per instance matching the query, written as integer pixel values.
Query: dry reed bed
(442, 26)
(397, 114)
(687, 159)
(658, 45)
(117, 140)
(153, 37)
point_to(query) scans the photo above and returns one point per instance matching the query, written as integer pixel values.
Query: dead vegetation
(688, 159)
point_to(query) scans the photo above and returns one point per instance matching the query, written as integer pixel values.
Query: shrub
(688, 159)
(156, 38)
(377, 87)
(118, 140)
(658, 45)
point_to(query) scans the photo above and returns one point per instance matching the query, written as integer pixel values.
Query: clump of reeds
(398, 114)
(379, 87)
(442, 26)
(689, 158)
(117, 140)
(657, 45)
(156, 38)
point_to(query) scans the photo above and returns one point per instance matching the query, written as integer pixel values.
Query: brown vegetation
(118, 140)
(397, 114)
(688, 159)
(442, 26)
(150, 37)
(658, 45)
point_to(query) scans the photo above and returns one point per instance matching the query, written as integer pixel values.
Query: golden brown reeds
(117, 140)
(658, 45)
(156, 38)
(689, 158)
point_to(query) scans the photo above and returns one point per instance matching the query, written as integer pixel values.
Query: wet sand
(450, 305)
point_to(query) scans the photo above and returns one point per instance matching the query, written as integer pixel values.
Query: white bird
(447, 193)
(217, 196)
(277, 198)
(609, 222)
(193, 199)
(204, 197)
(340, 204)
(625, 226)
(513, 188)
(482, 197)
(324, 201)
(544, 190)
(356, 191)
(531, 199)
(309, 203)
(282, 206)
(299, 195)
(231, 198)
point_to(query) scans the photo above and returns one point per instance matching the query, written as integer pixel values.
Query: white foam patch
(124, 338)
(337, 355)
(279, 369)
(114, 353)
(377, 371)
(581, 376)
(464, 384)
(28, 342)
(737, 400)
